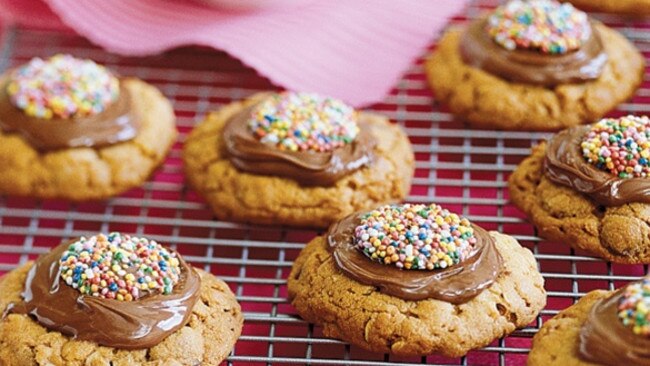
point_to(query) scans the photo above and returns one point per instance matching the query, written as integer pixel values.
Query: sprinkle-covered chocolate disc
(62, 87)
(415, 236)
(303, 122)
(634, 307)
(546, 26)
(619, 146)
(121, 267)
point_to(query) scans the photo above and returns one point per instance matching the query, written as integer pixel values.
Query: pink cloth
(353, 50)
(31, 13)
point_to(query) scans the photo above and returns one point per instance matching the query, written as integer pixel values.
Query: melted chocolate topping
(116, 124)
(138, 324)
(605, 340)
(477, 49)
(248, 154)
(565, 165)
(457, 284)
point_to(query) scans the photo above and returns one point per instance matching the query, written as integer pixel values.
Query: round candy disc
(121, 267)
(546, 26)
(619, 146)
(62, 87)
(424, 237)
(303, 122)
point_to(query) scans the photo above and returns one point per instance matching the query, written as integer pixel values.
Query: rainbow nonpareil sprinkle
(634, 307)
(415, 237)
(303, 122)
(120, 267)
(619, 146)
(546, 26)
(62, 87)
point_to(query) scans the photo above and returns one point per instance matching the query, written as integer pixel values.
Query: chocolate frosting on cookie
(605, 340)
(457, 284)
(309, 168)
(479, 50)
(116, 124)
(565, 165)
(128, 325)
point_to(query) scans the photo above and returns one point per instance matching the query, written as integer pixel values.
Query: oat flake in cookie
(71, 129)
(588, 187)
(533, 65)
(415, 279)
(122, 293)
(296, 158)
(602, 328)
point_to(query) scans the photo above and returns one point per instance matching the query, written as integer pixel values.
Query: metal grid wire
(465, 170)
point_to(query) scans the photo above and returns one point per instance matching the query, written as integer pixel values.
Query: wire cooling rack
(465, 170)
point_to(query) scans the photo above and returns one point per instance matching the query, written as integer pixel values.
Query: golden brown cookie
(631, 7)
(619, 233)
(215, 324)
(240, 196)
(557, 341)
(92, 173)
(361, 315)
(487, 101)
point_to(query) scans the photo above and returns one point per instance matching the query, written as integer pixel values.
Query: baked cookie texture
(487, 101)
(630, 7)
(361, 315)
(79, 174)
(557, 341)
(619, 233)
(214, 326)
(240, 196)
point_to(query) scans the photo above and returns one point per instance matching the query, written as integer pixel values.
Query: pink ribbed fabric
(354, 50)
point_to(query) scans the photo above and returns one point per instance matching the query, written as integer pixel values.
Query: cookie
(618, 232)
(235, 194)
(214, 325)
(602, 328)
(387, 317)
(486, 100)
(631, 7)
(557, 341)
(45, 166)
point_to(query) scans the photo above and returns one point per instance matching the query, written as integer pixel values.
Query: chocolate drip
(565, 165)
(115, 124)
(477, 49)
(457, 284)
(248, 154)
(138, 324)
